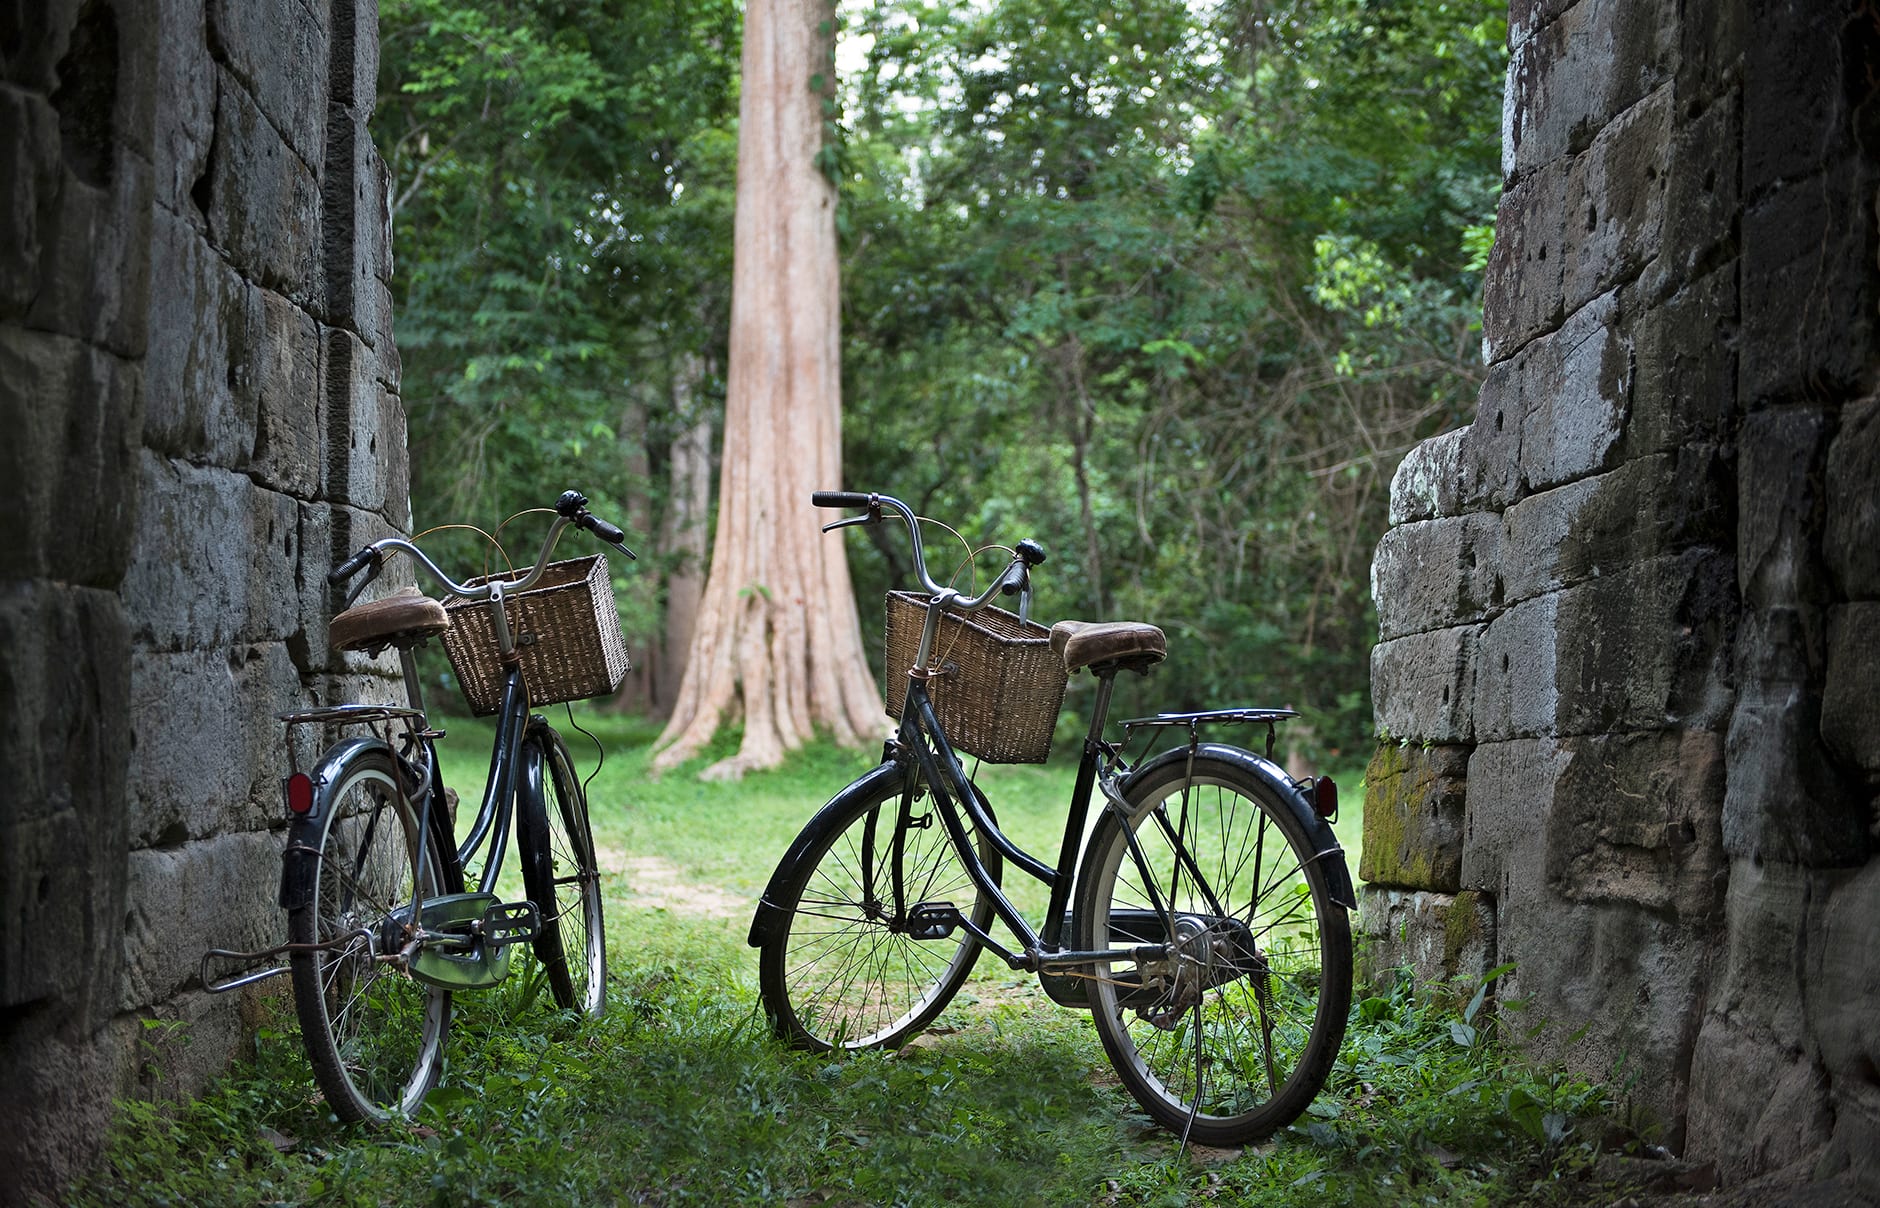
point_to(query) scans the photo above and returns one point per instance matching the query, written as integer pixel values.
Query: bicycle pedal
(511, 923)
(932, 920)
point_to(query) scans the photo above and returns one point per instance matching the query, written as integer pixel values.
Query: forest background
(1170, 286)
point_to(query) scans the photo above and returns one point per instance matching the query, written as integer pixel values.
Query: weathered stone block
(1515, 690)
(1684, 384)
(204, 340)
(1781, 456)
(1850, 705)
(288, 426)
(1438, 937)
(1511, 793)
(1422, 685)
(65, 665)
(1795, 88)
(1488, 464)
(1522, 285)
(1808, 288)
(94, 268)
(29, 171)
(263, 201)
(278, 50)
(1702, 195)
(1413, 817)
(1616, 212)
(232, 575)
(1597, 526)
(215, 893)
(1784, 1120)
(1432, 574)
(1843, 977)
(208, 753)
(185, 118)
(71, 414)
(1646, 647)
(1574, 75)
(1785, 802)
(1617, 989)
(1851, 544)
(361, 419)
(1575, 388)
(1424, 485)
(1637, 819)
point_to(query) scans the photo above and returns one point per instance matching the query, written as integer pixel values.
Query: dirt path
(654, 883)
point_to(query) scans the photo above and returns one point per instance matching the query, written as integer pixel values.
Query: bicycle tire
(838, 973)
(562, 876)
(374, 1034)
(1232, 1038)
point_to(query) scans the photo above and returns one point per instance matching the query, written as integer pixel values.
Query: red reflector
(1325, 797)
(299, 790)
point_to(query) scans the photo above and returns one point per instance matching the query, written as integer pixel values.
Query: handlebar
(1014, 580)
(570, 509)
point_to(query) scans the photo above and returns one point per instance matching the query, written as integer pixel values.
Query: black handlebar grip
(1017, 578)
(600, 528)
(349, 567)
(841, 499)
(1030, 552)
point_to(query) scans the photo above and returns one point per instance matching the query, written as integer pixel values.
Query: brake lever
(873, 517)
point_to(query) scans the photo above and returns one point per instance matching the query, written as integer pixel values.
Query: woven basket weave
(566, 629)
(996, 686)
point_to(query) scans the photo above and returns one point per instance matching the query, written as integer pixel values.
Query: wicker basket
(566, 629)
(996, 686)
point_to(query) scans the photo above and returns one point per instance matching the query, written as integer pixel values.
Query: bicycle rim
(561, 875)
(374, 1035)
(844, 973)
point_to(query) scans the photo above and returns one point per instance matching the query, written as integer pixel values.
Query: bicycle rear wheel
(374, 1034)
(561, 875)
(1231, 1033)
(844, 970)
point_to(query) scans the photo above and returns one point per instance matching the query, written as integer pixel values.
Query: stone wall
(1628, 676)
(198, 390)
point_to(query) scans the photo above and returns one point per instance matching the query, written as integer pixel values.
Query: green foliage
(561, 207)
(1172, 288)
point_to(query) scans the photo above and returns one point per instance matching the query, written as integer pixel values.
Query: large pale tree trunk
(777, 636)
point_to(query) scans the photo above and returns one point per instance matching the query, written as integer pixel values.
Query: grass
(680, 1096)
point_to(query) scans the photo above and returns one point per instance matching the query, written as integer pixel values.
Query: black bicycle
(1201, 916)
(382, 922)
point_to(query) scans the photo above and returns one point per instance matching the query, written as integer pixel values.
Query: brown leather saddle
(400, 620)
(1129, 645)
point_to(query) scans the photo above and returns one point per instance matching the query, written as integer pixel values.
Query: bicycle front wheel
(374, 1034)
(848, 968)
(1228, 1032)
(562, 876)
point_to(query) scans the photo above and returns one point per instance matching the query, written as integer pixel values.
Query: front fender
(770, 917)
(1331, 854)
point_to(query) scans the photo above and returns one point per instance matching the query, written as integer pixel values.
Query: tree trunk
(778, 638)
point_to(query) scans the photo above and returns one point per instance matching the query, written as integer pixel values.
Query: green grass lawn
(680, 1095)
